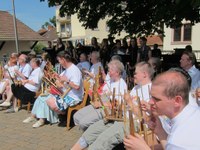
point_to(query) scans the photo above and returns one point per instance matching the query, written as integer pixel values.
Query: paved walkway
(15, 135)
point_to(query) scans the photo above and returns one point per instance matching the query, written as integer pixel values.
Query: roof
(7, 33)
(154, 39)
(50, 35)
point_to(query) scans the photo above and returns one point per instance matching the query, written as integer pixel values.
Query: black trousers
(22, 93)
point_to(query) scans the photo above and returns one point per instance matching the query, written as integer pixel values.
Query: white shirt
(185, 131)
(95, 70)
(11, 70)
(43, 64)
(84, 65)
(120, 86)
(195, 75)
(74, 75)
(25, 70)
(36, 76)
(142, 92)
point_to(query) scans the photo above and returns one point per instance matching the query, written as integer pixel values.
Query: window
(177, 34)
(62, 27)
(187, 32)
(183, 34)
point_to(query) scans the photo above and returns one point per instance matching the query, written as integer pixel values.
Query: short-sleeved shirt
(74, 75)
(36, 76)
(184, 134)
(25, 70)
(120, 86)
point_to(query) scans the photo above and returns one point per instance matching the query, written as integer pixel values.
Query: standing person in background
(59, 46)
(156, 52)
(133, 52)
(104, 52)
(94, 44)
(51, 51)
(144, 52)
(70, 49)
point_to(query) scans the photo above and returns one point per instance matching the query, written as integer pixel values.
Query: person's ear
(178, 100)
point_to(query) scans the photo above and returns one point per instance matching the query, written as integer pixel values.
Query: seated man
(106, 136)
(84, 63)
(94, 70)
(170, 97)
(92, 113)
(45, 107)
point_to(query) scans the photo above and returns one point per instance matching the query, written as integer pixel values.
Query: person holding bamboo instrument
(94, 112)
(47, 107)
(9, 72)
(95, 60)
(170, 97)
(21, 74)
(26, 93)
(107, 135)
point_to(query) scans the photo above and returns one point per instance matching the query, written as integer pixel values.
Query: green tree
(133, 16)
(38, 48)
(51, 22)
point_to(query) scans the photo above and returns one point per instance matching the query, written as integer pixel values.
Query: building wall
(77, 29)
(168, 39)
(78, 32)
(102, 32)
(9, 47)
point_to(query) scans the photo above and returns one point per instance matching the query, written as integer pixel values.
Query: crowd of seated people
(162, 100)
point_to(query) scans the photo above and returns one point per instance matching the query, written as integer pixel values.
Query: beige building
(70, 28)
(178, 38)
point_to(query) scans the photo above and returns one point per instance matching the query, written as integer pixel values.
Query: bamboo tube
(125, 119)
(151, 116)
(103, 107)
(131, 123)
(113, 103)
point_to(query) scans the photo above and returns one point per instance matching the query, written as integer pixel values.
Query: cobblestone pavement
(15, 135)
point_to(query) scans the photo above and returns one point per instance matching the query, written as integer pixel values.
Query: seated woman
(46, 108)
(26, 93)
(9, 72)
(21, 74)
(93, 113)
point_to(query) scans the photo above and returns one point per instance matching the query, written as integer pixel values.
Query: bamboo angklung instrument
(1, 71)
(103, 106)
(131, 122)
(113, 103)
(151, 116)
(141, 120)
(125, 119)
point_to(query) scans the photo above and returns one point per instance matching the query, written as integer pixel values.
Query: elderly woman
(9, 71)
(26, 93)
(45, 108)
(92, 113)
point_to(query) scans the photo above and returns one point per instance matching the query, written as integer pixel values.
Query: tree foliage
(51, 22)
(132, 16)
